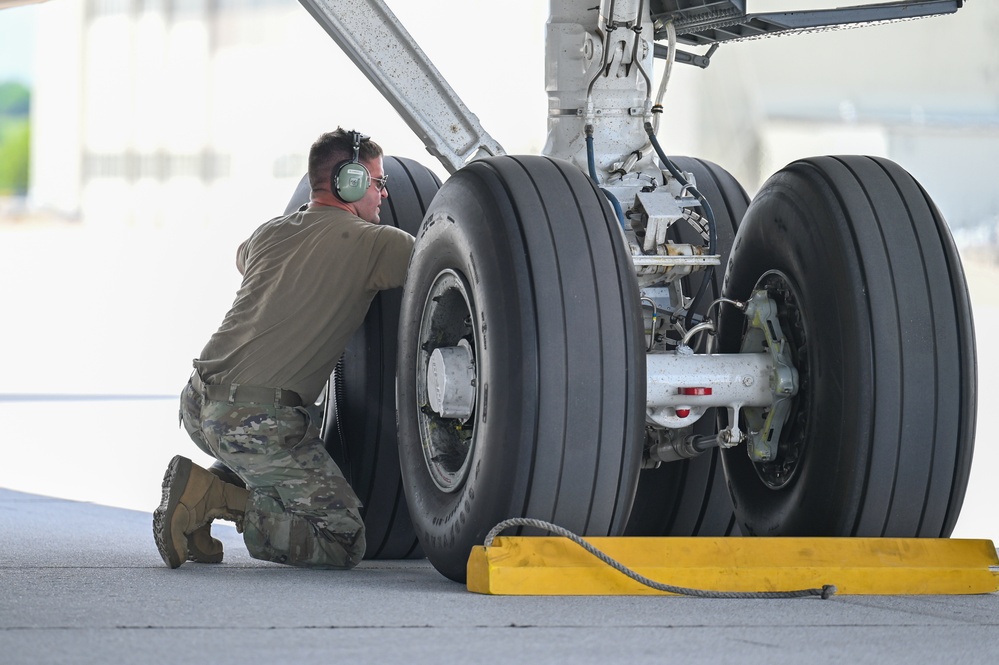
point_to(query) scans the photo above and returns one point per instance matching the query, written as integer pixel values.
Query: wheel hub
(782, 466)
(446, 381)
(451, 381)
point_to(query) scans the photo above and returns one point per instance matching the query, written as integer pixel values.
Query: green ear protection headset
(351, 179)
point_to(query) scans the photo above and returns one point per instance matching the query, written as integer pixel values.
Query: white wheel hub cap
(451, 381)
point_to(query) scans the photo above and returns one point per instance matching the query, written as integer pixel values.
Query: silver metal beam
(371, 35)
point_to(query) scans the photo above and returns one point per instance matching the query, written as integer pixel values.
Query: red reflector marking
(682, 413)
(695, 391)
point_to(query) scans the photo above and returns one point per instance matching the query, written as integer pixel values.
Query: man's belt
(241, 392)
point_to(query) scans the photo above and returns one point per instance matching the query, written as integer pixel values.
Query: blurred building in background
(168, 112)
(184, 113)
(924, 93)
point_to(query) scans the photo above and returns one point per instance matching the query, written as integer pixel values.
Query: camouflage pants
(301, 510)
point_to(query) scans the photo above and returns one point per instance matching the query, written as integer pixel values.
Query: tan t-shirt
(308, 279)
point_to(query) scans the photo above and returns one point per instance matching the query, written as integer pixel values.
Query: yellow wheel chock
(535, 566)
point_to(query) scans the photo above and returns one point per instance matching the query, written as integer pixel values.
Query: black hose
(591, 164)
(618, 210)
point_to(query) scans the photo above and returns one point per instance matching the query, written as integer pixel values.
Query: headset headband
(357, 138)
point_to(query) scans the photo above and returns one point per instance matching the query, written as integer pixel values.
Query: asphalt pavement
(83, 583)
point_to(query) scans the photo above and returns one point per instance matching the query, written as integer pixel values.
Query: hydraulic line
(655, 320)
(590, 157)
(592, 166)
(703, 326)
(634, 54)
(618, 210)
(667, 71)
(633, 158)
(608, 29)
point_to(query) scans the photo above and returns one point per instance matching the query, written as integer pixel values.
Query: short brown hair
(331, 149)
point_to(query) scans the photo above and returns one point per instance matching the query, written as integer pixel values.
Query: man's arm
(388, 270)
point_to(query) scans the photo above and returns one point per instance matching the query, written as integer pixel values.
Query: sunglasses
(380, 183)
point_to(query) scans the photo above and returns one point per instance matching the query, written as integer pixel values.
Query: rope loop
(824, 593)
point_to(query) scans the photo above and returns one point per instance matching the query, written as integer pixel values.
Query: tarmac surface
(83, 583)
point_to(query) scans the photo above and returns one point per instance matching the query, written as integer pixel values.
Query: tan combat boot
(201, 547)
(192, 498)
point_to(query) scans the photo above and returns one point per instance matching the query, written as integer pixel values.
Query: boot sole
(174, 482)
